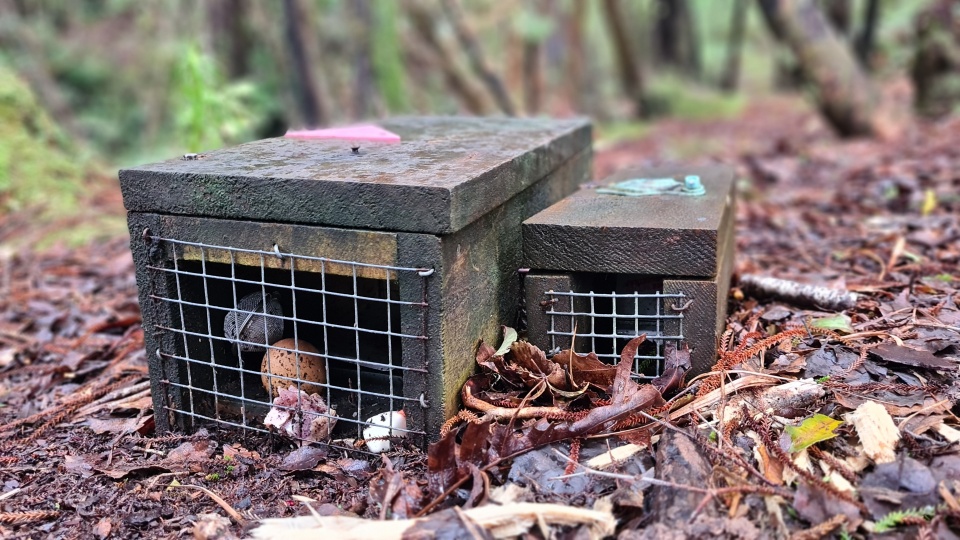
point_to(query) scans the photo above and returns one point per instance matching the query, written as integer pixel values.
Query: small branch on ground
(797, 294)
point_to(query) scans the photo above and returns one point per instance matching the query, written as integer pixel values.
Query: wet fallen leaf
(891, 352)
(486, 443)
(929, 404)
(904, 483)
(118, 425)
(103, 528)
(817, 505)
(838, 323)
(303, 458)
(77, 465)
(815, 429)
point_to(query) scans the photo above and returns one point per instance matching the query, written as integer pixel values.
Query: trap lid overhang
(657, 235)
(446, 173)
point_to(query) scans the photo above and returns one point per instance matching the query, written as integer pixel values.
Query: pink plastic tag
(362, 132)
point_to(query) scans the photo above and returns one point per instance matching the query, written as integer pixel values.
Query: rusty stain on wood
(366, 247)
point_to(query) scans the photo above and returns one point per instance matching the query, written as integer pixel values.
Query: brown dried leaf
(117, 425)
(531, 364)
(586, 368)
(906, 356)
(486, 443)
(399, 498)
(930, 404)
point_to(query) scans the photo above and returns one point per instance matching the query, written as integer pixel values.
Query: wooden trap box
(390, 260)
(647, 251)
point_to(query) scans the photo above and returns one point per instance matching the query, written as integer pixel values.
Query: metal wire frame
(645, 366)
(191, 292)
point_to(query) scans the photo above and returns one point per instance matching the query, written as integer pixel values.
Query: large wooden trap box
(390, 260)
(646, 251)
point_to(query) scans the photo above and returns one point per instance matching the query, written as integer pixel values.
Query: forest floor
(772, 449)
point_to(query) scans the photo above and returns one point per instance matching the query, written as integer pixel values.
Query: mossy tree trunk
(730, 77)
(844, 94)
(628, 63)
(935, 68)
(299, 33)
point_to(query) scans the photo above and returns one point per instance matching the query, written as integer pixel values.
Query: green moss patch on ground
(49, 192)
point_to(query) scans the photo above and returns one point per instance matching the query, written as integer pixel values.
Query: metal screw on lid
(693, 185)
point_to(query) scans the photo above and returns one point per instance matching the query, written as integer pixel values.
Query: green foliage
(815, 429)
(38, 164)
(679, 98)
(532, 26)
(386, 59)
(209, 110)
(839, 322)
(895, 518)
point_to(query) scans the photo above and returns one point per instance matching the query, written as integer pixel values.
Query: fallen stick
(798, 294)
(219, 500)
(712, 398)
(507, 521)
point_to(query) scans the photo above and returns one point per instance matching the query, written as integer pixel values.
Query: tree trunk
(532, 77)
(840, 15)
(730, 78)
(303, 69)
(935, 68)
(667, 32)
(573, 27)
(787, 73)
(477, 61)
(675, 36)
(231, 35)
(865, 40)
(845, 95)
(690, 40)
(631, 78)
(363, 83)
(424, 24)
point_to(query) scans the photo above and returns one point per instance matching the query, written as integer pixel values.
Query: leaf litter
(561, 443)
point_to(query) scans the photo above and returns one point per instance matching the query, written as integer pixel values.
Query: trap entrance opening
(606, 311)
(353, 321)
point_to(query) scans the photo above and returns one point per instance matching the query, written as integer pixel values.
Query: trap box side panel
(445, 174)
(657, 235)
(705, 316)
(480, 287)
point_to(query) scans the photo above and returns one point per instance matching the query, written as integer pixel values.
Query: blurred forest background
(87, 86)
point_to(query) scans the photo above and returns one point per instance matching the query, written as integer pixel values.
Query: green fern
(895, 518)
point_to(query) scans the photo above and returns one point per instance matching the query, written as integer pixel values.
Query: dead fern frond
(743, 353)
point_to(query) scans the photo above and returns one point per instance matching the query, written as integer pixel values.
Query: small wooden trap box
(377, 267)
(644, 251)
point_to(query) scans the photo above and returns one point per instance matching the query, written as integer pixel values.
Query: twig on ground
(20, 518)
(219, 500)
(797, 293)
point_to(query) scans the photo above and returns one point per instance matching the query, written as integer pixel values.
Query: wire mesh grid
(610, 320)
(343, 340)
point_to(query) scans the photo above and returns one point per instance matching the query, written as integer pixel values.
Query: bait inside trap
(362, 275)
(238, 317)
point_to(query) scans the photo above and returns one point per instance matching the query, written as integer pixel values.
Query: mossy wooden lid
(446, 173)
(619, 228)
